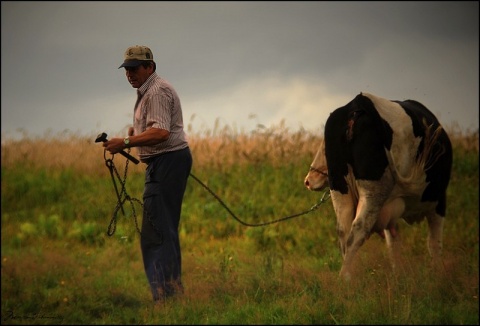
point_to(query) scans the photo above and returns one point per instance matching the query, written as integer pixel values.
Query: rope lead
(123, 193)
(325, 197)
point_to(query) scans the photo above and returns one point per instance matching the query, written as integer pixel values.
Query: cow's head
(317, 177)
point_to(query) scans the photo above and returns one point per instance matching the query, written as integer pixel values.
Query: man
(161, 142)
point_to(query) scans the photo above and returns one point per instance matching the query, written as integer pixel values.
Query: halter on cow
(383, 160)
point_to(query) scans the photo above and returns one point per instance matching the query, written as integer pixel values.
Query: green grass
(59, 266)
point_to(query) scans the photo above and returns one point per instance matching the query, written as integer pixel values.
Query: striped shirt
(159, 107)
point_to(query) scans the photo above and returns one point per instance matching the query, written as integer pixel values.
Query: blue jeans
(165, 183)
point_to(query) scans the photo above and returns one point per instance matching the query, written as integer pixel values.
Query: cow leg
(387, 221)
(360, 231)
(393, 245)
(435, 236)
(372, 196)
(344, 206)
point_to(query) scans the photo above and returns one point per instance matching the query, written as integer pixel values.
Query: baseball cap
(136, 55)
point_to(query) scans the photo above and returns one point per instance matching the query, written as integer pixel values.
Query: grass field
(60, 265)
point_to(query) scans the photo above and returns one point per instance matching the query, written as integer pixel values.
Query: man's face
(136, 76)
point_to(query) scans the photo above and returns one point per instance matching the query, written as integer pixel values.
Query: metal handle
(103, 138)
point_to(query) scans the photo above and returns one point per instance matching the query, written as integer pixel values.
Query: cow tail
(431, 153)
(415, 182)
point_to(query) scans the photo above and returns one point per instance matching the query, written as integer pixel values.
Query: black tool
(103, 138)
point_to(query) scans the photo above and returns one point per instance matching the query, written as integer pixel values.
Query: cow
(383, 160)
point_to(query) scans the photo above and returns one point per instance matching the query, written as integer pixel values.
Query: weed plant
(60, 265)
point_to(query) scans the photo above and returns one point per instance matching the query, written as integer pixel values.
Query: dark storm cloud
(60, 59)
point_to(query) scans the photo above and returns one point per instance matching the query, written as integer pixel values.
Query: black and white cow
(383, 160)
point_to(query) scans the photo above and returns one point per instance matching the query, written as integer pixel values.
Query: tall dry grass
(220, 147)
(213, 149)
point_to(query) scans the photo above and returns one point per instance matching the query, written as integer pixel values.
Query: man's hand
(114, 145)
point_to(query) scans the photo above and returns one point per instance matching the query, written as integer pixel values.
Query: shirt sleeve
(159, 112)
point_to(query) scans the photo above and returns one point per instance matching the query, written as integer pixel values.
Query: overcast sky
(237, 64)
